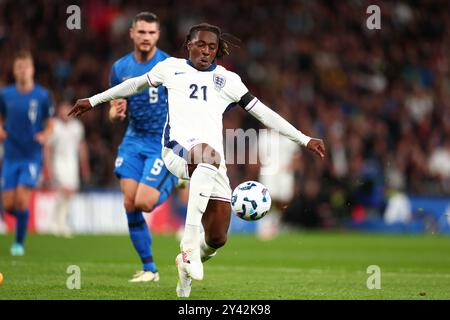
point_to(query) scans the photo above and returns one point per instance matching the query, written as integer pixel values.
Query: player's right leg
(9, 182)
(155, 186)
(67, 182)
(139, 233)
(129, 166)
(11, 177)
(29, 173)
(203, 167)
(201, 164)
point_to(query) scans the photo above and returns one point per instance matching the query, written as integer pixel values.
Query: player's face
(203, 49)
(145, 35)
(23, 70)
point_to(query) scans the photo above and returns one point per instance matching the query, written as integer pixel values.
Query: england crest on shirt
(219, 81)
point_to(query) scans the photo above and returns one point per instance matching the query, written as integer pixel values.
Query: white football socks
(201, 186)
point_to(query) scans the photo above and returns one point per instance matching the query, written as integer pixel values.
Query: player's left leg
(129, 168)
(62, 211)
(146, 197)
(216, 221)
(9, 181)
(67, 183)
(27, 180)
(144, 200)
(139, 232)
(154, 188)
(203, 167)
(22, 213)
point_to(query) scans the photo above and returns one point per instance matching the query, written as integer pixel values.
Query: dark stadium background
(378, 98)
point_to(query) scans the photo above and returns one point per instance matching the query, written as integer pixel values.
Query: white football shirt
(197, 100)
(65, 141)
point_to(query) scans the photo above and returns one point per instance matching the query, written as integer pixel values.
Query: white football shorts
(174, 155)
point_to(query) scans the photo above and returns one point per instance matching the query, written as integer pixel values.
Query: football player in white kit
(277, 173)
(65, 154)
(199, 93)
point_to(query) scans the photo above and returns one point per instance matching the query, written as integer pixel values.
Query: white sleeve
(123, 90)
(235, 88)
(273, 120)
(157, 75)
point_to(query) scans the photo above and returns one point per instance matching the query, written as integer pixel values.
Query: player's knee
(146, 200)
(216, 240)
(203, 153)
(22, 207)
(128, 203)
(145, 206)
(22, 203)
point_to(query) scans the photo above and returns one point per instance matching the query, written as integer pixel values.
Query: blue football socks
(141, 238)
(22, 218)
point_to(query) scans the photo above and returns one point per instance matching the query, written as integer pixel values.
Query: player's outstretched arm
(273, 120)
(123, 90)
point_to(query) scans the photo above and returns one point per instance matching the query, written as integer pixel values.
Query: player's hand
(119, 109)
(41, 137)
(3, 134)
(317, 146)
(80, 107)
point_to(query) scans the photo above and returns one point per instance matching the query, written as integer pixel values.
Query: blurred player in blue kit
(144, 179)
(26, 123)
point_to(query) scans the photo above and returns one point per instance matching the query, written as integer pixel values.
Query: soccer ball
(250, 200)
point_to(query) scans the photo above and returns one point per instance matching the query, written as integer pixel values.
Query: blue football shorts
(141, 161)
(20, 172)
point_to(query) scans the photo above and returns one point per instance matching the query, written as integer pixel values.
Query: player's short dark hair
(224, 44)
(23, 54)
(145, 16)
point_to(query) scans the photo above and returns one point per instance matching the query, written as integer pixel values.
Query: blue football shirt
(147, 110)
(24, 115)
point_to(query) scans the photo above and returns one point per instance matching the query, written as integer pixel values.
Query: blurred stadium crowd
(378, 98)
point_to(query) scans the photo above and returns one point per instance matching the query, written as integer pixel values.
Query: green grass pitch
(293, 266)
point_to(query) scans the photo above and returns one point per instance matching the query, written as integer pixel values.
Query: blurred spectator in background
(279, 158)
(439, 164)
(65, 154)
(309, 208)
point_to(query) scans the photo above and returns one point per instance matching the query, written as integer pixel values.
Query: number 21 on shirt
(194, 94)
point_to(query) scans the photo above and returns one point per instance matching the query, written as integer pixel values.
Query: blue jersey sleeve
(113, 79)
